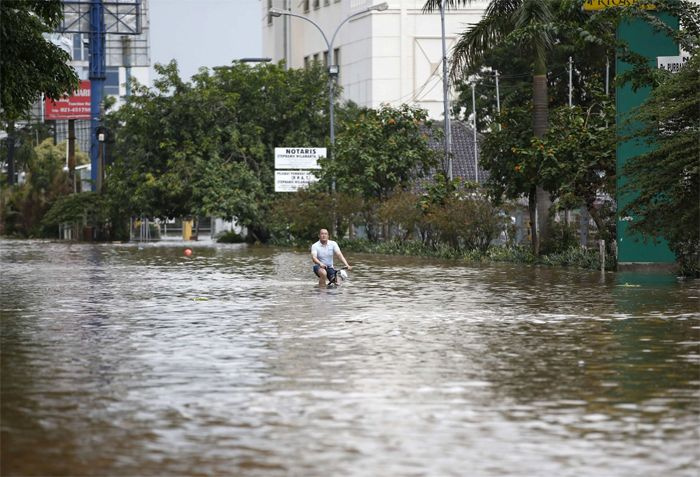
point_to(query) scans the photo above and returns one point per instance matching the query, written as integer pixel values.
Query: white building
(392, 56)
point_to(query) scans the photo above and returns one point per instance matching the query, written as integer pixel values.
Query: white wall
(385, 57)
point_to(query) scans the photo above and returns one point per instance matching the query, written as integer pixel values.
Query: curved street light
(332, 69)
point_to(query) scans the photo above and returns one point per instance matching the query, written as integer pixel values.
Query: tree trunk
(71, 155)
(10, 153)
(599, 223)
(539, 125)
(532, 208)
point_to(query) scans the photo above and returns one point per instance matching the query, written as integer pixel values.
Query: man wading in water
(322, 255)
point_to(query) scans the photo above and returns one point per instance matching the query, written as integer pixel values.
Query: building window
(112, 80)
(315, 57)
(306, 6)
(306, 62)
(269, 17)
(325, 58)
(326, 2)
(77, 46)
(317, 4)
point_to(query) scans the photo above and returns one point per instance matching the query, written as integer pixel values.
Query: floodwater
(120, 360)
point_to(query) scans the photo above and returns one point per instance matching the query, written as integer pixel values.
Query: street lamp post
(445, 94)
(332, 68)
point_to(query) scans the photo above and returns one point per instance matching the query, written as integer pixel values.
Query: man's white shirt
(325, 253)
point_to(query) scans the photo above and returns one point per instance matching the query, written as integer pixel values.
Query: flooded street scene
(128, 359)
(514, 186)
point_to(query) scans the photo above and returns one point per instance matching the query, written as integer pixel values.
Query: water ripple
(136, 360)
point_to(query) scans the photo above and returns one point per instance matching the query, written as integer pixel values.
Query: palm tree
(529, 22)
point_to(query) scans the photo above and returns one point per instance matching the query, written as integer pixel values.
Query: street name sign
(671, 63)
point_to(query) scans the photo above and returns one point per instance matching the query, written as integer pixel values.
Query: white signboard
(291, 181)
(298, 157)
(671, 63)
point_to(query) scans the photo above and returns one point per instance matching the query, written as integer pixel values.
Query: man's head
(323, 235)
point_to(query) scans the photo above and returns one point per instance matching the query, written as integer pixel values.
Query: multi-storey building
(391, 56)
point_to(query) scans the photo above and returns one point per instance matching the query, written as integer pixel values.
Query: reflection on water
(126, 360)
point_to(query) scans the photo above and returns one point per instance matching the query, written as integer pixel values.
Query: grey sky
(207, 33)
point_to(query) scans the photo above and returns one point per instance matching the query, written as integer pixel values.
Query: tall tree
(384, 149)
(206, 147)
(29, 64)
(378, 152)
(529, 23)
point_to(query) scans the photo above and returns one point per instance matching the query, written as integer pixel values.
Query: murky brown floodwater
(127, 361)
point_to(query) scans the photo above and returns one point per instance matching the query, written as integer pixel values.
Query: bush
(230, 237)
(297, 217)
(562, 237)
(578, 257)
(467, 222)
(403, 210)
(688, 256)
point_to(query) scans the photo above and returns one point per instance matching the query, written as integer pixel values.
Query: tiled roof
(463, 164)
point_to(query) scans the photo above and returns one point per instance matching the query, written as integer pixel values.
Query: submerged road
(120, 360)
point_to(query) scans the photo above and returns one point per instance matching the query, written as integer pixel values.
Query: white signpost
(293, 167)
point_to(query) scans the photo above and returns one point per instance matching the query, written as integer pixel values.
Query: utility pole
(571, 71)
(445, 93)
(498, 95)
(71, 153)
(287, 37)
(607, 75)
(10, 152)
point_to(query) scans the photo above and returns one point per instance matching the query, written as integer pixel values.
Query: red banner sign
(76, 106)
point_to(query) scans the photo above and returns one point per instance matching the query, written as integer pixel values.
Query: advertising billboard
(75, 106)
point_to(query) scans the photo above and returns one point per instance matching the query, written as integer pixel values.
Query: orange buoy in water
(188, 252)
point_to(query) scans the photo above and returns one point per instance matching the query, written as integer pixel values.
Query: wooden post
(71, 154)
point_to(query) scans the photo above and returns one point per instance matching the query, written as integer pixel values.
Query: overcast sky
(204, 32)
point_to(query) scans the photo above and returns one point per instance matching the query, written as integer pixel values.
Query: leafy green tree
(643, 72)
(583, 143)
(575, 160)
(467, 220)
(529, 23)
(206, 147)
(514, 159)
(380, 151)
(25, 204)
(665, 182)
(77, 208)
(588, 39)
(29, 64)
(403, 210)
(519, 35)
